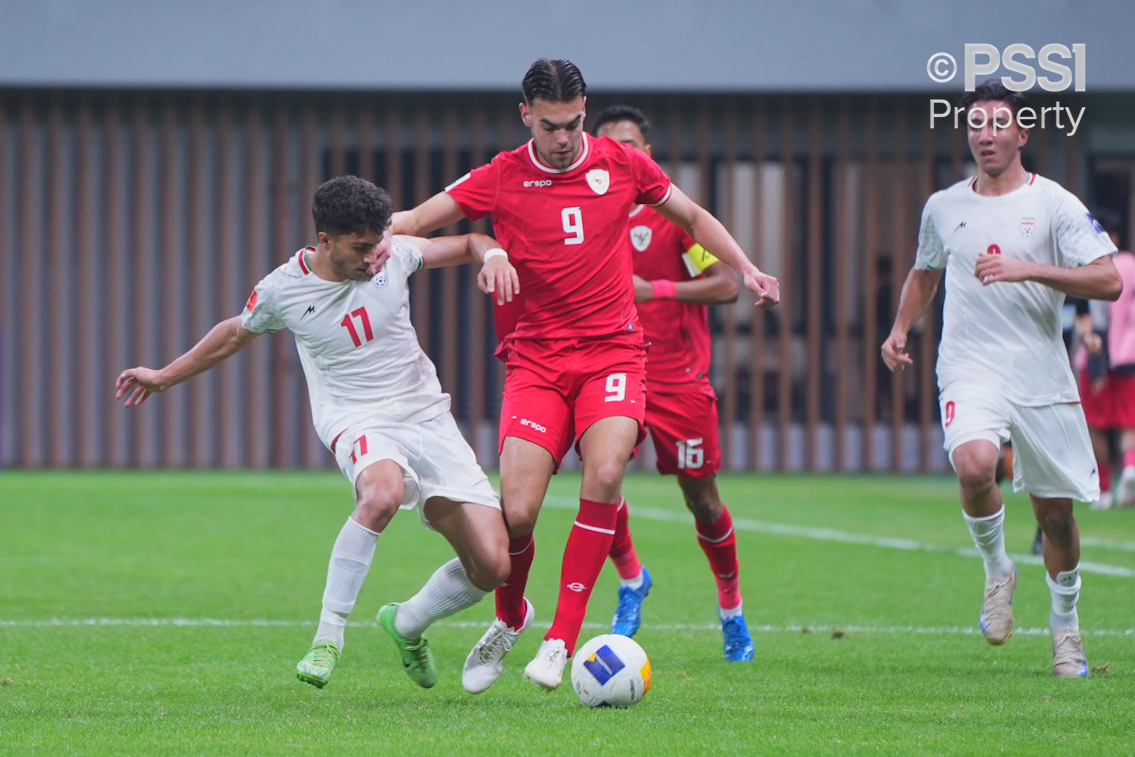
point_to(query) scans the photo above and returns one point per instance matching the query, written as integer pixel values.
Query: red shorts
(682, 421)
(555, 389)
(1113, 406)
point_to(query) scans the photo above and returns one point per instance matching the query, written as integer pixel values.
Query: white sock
(989, 537)
(448, 591)
(731, 613)
(1065, 593)
(634, 583)
(350, 561)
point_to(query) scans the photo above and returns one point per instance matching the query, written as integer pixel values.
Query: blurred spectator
(1105, 361)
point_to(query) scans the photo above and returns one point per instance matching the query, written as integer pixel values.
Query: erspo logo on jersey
(983, 59)
(534, 425)
(538, 183)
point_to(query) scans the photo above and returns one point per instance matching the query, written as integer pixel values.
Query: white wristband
(495, 252)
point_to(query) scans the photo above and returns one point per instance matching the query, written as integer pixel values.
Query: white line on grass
(1118, 546)
(249, 623)
(846, 537)
(744, 524)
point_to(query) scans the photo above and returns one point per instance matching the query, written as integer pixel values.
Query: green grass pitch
(163, 614)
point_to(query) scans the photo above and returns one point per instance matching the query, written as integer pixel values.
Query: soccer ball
(610, 670)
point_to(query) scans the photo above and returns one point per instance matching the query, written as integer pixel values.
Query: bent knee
(375, 507)
(976, 470)
(491, 574)
(976, 479)
(520, 518)
(705, 509)
(604, 479)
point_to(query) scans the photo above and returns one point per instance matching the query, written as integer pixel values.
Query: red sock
(719, 543)
(1105, 479)
(1129, 458)
(510, 594)
(587, 547)
(622, 548)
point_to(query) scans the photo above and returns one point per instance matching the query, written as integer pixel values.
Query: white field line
(1118, 546)
(886, 542)
(714, 627)
(743, 524)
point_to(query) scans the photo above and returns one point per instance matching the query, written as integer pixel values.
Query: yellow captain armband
(697, 259)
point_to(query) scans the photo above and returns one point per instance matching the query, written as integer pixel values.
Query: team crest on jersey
(1028, 224)
(379, 278)
(599, 180)
(640, 237)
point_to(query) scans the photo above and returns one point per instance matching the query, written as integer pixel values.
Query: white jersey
(359, 352)
(1008, 334)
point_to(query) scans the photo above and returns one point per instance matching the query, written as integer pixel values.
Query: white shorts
(1052, 452)
(436, 460)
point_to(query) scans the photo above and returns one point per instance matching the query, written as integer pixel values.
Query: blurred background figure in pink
(1105, 362)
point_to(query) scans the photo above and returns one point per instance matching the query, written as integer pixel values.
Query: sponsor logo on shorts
(576, 586)
(533, 425)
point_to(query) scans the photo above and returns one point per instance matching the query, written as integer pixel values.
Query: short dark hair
(615, 113)
(993, 90)
(350, 205)
(552, 80)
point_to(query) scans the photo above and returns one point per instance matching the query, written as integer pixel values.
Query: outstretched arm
(1098, 280)
(917, 294)
(709, 232)
(440, 210)
(717, 286)
(224, 340)
(497, 274)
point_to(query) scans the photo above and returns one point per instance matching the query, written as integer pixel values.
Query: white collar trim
(548, 169)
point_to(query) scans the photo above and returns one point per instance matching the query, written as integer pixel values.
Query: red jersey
(678, 332)
(564, 232)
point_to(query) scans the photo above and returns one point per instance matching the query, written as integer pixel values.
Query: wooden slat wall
(841, 270)
(130, 222)
(871, 367)
(757, 341)
(817, 281)
(791, 304)
(899, 244)
(729, 156)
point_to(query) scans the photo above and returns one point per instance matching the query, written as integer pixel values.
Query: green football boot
(319, 663)
(416, 656)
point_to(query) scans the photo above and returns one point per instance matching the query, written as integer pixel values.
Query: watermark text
(983, 59)
(1057, 115)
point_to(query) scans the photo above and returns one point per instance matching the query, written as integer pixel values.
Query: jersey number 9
(573, 225)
